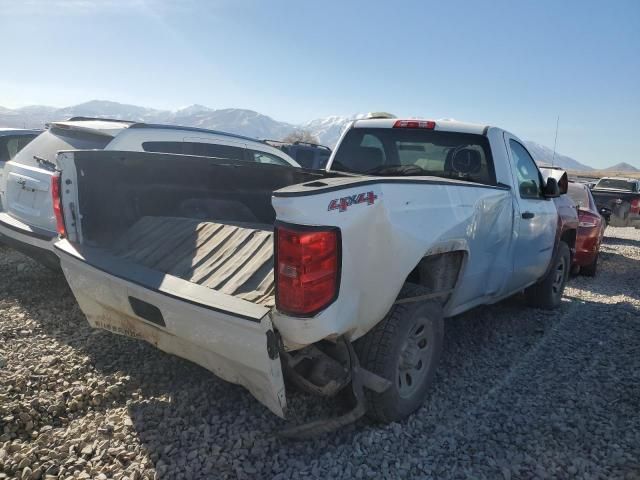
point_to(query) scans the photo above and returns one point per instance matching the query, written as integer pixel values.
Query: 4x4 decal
(341, 204)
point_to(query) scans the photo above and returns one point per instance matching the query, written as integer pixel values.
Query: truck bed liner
(236, 259)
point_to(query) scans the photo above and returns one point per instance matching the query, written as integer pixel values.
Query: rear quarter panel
(383, 241)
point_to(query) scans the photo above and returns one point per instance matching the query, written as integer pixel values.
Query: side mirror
(563, 183)
(551, 188)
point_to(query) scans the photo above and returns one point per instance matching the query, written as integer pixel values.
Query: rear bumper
(35, 243)
(587, 245)
(237, 348)
(584, 257)
(630, 221)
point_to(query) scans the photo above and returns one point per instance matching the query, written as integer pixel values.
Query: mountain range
(233, 120)
(623, 167)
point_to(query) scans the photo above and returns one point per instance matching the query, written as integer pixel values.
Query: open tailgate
(226, 334)
(232, 338)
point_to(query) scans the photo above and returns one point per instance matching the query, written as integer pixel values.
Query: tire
(404, 348)
(591, 269)
(547, 293)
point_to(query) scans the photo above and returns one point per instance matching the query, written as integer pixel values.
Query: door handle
(528, 215)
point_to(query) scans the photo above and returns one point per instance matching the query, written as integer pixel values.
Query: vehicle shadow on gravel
(514, 385)
(494, 368)
(617, 276)
(624, 242)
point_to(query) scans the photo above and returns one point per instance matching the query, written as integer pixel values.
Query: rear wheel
(547, 293)
(591, 269)
(405, 349)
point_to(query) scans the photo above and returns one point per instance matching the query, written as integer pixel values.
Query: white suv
(28, 222)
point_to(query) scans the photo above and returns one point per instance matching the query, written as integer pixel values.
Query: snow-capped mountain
(328, 129)
(103, 108)
(233, 120)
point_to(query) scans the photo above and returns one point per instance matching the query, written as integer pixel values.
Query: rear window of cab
(460, 156)
(617, 184)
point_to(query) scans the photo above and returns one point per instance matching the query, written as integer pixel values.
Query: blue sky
(515, 64)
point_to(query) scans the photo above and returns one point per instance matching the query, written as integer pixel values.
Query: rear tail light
(57, 204)
(307, 268)
(427, 124)
(635, 205)
(588, 220)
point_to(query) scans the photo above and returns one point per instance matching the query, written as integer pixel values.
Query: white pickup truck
(336, 280)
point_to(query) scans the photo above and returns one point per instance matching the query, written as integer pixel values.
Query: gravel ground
(521, 393)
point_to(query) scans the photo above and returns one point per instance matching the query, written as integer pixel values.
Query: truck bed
(232, 258)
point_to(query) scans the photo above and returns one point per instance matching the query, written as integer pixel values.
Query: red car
(590, 229)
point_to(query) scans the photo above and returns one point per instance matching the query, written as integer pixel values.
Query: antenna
(555, 141)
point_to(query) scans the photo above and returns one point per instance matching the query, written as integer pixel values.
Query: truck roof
(441, 125)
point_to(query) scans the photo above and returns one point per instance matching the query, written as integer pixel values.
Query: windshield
(411, 152)
(616, 184)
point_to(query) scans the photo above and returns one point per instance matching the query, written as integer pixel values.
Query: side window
(162, 147)
(529, 181)
(4, 150)
(305, 157)
(216, 150)
(200, 149)
(263, 157)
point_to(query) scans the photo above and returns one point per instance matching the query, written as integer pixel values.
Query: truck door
(536, 217)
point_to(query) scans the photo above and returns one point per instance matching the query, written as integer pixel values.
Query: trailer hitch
(360, 379)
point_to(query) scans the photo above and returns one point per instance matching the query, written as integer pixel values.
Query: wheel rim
(413, 363)
(558, 277)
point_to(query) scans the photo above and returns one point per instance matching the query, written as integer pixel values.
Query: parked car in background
(567, 211)
(12, 140)
(28, 221)
(590, 229)
(620, 197)
(337, 279)
(308, 155)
